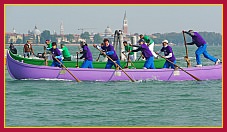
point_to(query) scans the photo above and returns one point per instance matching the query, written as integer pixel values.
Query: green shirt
(49, 45)
(129, 48)
(148, 40)
(65, 52)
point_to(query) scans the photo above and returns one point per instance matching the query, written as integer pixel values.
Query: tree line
(177, 38)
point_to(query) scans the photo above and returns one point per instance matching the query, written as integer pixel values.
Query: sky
(146, 19)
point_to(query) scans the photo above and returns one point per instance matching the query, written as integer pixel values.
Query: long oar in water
(66, 69)
(186, 48)
(116, 64)
(197, 79)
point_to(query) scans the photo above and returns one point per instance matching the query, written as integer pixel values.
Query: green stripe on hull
(138, 64)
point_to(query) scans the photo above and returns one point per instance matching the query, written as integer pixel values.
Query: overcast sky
(141, 19)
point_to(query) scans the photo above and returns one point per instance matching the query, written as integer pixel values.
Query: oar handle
(115, 64)
(179, 67)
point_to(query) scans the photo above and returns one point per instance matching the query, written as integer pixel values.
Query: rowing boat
(20, 70)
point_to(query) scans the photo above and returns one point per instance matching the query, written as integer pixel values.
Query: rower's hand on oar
(104, 53)
(186, 58)
(95, 45)
(58, 57)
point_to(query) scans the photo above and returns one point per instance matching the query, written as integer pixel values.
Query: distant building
(125, 25)
(61, 29)
(108, 32)
(14, 31)
(13, 37)
(62, 37)
(35, 35)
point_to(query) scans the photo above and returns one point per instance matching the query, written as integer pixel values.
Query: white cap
(82, 42)
(165, 41)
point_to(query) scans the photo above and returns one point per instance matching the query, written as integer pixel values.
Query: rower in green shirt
(65, 53)
(128, 48)
(150, 44)
(49, 44)
(147, 39)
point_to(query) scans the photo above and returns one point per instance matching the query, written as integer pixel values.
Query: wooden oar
(140, 57)
(197, 79)
(128, 59)
(98, 57)
(66, 69)
(77, 66)
(186, 48)
(45, 58)
(116, 64)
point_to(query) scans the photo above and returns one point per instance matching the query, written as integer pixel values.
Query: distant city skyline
(141, 18)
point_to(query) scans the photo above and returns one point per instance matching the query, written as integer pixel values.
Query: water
(143, 103)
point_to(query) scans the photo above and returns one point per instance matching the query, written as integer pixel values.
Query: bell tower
(61, 29)
(125, 25)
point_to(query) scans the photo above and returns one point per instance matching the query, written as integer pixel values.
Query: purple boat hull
(19, 70)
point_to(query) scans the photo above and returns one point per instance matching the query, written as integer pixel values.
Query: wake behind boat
(19, 70)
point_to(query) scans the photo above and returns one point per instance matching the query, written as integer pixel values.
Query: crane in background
(82, 29)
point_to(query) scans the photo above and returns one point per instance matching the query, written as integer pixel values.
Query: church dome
(108, 30)
(36, 31)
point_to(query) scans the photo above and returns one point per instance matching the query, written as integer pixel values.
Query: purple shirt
(113, 54)
(198, 40)
(145, 51)
(87, 55)
(168, 50)
(55, 52)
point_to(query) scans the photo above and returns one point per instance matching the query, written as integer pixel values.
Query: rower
(149, 63)
(168, 52)
(109, 50)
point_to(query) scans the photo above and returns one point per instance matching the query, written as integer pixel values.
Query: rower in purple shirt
(108, 49)
(86, 55)
(168, 52)
(149, 63)
(201, 44)
(56, 54)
